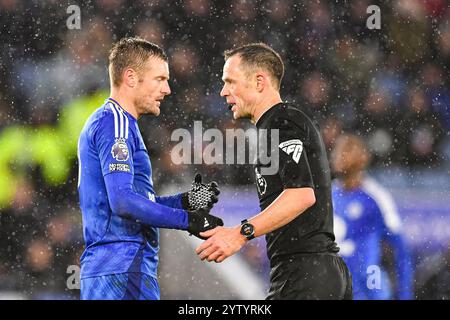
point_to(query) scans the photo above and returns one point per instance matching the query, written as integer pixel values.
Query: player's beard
(145, 107)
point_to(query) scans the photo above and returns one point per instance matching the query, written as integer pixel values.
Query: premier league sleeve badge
(119, 150)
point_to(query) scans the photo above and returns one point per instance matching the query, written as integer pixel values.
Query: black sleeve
(294, 168)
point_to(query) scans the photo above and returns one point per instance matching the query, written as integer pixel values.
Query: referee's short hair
(131, 52)
(260, 55)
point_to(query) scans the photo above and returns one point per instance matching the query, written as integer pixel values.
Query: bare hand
(221, 243)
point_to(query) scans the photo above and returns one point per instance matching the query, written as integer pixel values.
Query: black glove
(200, 221)
(201, 194)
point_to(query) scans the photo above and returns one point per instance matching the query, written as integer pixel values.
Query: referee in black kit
(297, 211)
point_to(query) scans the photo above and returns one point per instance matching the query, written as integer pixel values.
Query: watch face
(247, 230)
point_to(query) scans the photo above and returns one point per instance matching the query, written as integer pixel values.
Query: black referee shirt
(303, 162)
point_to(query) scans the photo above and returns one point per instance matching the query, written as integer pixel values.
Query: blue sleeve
(116, 145)
(403, 263)
(173, 201)
(128, 204)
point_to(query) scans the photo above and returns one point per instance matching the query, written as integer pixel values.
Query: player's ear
(130, 77)
(367, 157)
(363, 158)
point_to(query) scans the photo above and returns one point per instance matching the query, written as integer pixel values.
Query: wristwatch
(247, 229)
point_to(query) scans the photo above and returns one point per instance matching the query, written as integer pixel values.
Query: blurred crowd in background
(389, 85)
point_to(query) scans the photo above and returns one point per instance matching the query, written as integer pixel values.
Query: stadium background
(390, 85)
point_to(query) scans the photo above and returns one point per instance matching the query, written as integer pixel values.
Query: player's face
(238, 89)
(152, 87)
(346, 157)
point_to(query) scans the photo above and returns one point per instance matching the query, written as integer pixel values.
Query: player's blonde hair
(131, 52)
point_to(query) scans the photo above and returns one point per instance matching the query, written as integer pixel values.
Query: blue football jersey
(363, 218)
(111, 142)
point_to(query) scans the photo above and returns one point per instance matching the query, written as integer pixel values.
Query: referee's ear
(261, 81)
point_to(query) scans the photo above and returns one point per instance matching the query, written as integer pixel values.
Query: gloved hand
(201, 194)
(200, 220)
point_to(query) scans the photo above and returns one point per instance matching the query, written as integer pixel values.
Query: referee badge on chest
(261, 183)
(119, 150)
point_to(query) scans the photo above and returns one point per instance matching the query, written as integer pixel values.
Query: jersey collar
(120, 107)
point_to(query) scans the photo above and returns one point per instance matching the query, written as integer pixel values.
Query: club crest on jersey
(294, 147)
(120, 150)
(261, 183)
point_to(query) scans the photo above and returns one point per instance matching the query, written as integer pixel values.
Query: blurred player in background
(365, 215)
(121, 212)
(297, 213)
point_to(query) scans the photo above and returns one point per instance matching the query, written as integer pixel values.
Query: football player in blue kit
(121, 212)
(365, 216)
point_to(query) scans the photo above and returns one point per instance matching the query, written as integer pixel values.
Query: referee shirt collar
(267, 113)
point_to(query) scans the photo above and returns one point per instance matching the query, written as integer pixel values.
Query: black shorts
(314, 276)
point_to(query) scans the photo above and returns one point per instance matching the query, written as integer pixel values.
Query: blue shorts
(122, 286)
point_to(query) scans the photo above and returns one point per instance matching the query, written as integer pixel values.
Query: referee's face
(237, 89)
(152, 87)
